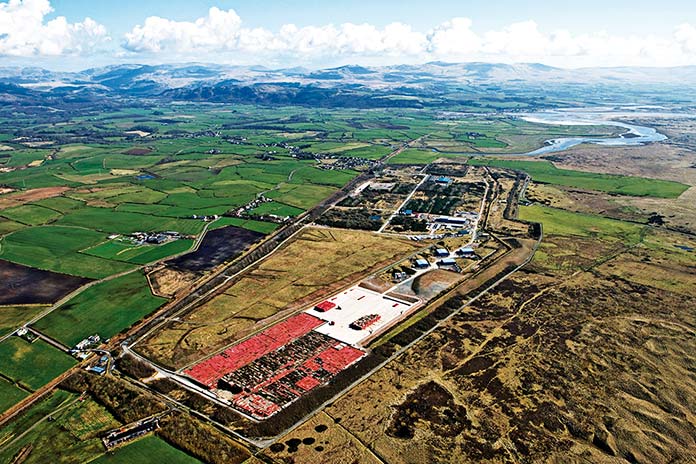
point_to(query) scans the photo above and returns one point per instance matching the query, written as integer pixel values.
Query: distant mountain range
(431, 84)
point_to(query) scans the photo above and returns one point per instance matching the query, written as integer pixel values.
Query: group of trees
(354, 218)
(128, 403)
(409, 224)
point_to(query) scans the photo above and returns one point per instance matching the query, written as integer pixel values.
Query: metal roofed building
(441, 252)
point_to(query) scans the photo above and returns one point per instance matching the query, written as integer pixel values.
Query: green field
(561, 222)
(250, 224)
(105, 309)
(301, 196)
(7, 226)
(546, 172)
(109, 221)
(57, 248)
(416, 156)
(32, 364)
(144, 451)
(31, 215)
(12, 317)
(72, 436)
(276, 208)
(369, 152)
(10, 394)
(138, 254)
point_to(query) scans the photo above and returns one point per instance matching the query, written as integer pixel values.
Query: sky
(78, 34)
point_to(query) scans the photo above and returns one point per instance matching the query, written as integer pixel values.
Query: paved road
(404, 203)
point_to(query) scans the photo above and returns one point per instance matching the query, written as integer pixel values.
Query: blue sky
(580, 16)
(83, 33)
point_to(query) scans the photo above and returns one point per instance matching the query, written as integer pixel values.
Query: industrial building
(325, 306)
(262, 374)
(467, 252)
(442, 252)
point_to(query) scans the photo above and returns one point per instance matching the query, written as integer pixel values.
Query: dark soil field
(218, 246)
(25, 285)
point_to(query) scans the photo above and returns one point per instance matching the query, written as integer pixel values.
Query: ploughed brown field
(26, 285)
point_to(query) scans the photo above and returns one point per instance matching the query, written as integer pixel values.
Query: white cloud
(223, 31)
(453, 40)
(219, 30)
(222, 36)
(685, 35)
(24, 31)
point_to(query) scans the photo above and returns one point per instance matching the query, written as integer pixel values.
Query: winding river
(635, 135)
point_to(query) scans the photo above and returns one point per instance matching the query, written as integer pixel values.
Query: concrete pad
(355, 303)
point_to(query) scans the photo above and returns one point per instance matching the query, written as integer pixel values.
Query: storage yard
(270, 370)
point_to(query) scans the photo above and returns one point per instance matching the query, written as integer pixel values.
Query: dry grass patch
(320, 440)
(318, 262)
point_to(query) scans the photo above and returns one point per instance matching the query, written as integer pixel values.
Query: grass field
(301, 196)
(546, 172)
(105, 308)
(12, 317)
(7, 226)
(249, 224)
(567, 223)
(31, 215)
(416, 156)
(144, 451)
(56, 248)
(10, 394)
(276, 208)
(109, 221)
(318, 262)
(32, 364)
(71, 437)
(369, 152)
(143, 254)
